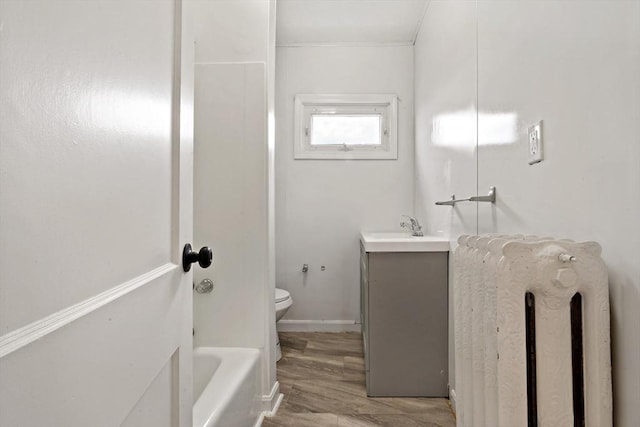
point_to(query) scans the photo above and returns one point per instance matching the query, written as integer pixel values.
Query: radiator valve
(566, 258)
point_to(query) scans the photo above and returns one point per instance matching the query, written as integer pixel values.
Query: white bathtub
(225, 387)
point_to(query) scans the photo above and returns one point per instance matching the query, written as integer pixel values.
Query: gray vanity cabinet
(404, 322)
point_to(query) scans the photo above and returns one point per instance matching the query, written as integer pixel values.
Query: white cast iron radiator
(531, 333)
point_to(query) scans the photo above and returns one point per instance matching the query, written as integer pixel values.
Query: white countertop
(402, 242)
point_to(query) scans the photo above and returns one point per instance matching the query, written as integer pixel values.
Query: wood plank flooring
(322, 378)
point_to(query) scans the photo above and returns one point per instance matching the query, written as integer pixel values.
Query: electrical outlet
(534, 136)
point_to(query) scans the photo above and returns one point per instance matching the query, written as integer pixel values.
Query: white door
(95, 207)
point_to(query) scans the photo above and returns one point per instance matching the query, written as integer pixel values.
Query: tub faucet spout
(416, 228)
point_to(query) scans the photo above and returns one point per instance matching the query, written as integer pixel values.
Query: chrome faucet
(416, 228)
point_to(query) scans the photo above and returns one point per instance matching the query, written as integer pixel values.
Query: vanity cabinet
(404, 321)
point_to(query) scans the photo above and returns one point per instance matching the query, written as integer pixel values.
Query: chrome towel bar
(491, 197)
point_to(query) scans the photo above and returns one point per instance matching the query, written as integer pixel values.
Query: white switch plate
(534, 139)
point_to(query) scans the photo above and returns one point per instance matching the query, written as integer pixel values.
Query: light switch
(534, 136)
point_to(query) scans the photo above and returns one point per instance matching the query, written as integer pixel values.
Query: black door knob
(204, 257)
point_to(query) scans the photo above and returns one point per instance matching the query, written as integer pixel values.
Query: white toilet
(283, 302)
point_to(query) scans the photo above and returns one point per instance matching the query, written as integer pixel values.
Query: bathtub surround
(229, 124)
(580, 76)
(322, 205)
(233, 173)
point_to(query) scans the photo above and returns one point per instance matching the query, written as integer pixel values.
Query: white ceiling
(302, 22)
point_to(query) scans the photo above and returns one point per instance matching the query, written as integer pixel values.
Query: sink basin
(402, 242)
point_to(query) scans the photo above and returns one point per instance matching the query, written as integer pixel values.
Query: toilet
(283, 302)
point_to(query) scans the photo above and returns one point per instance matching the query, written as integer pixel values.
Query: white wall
(234, 60)
(322, 205)
(577, 69)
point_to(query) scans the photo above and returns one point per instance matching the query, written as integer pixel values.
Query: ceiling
(304, 22)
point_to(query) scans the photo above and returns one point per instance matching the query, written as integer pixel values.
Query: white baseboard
(290, 325)
(453, 399)
(270, 404)
(269, 413)
(270, 401)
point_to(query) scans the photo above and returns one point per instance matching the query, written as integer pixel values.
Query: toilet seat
(282, 295)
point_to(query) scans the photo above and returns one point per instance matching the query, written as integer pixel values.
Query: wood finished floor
(322, 378)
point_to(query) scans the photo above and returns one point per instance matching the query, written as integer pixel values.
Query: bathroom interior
(463, 85)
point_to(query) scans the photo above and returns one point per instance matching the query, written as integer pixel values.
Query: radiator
(532, 338)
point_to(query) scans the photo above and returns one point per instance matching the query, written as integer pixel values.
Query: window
(346, 127)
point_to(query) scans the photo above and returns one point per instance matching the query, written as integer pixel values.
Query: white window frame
(384, 105)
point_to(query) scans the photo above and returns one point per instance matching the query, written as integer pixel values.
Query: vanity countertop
(402, 242)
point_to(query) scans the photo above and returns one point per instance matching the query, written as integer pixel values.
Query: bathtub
(225, 387)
